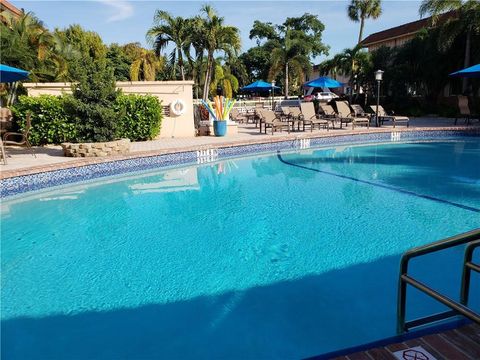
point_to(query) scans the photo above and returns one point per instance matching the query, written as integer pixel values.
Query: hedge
(50, 122)
(139, 118)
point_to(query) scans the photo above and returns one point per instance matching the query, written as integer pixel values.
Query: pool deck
(457, 344)
(49, 158)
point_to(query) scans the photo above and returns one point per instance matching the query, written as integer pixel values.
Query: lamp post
(378, 77)
(273, 95)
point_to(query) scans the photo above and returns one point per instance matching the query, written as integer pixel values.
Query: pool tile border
(15, 185)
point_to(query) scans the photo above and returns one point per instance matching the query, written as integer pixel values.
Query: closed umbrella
(258, 86)
(470, 72)
(322, 82)
(9, 74)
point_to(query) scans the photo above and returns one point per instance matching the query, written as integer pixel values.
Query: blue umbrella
(322, 82)
(10, 74)
(471, 72)
(259, 85)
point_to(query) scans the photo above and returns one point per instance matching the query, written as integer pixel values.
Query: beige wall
(166, 91)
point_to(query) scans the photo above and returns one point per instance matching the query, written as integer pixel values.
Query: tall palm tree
(196, 41)
(224, 79)
(25, 43)
(169, 29)
(290, 46)
(467, 23)
(145, 66)
(217, 37)
(287, 59)
(360, 10)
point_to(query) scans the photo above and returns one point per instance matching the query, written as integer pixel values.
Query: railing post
(467, 272)
(402, 296)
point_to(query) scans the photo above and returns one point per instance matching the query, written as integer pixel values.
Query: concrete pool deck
(48, 158)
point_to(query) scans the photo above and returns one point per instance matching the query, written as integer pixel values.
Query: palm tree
(196, 41)
(168, 29)
(145, 65)
(290, 46)
(225, 80)
(217, 37)
(467, 23)
(360, 10)
(25, 43)
(287, 59)
(354, 63)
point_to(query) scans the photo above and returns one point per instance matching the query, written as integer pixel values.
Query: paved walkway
(49, 157)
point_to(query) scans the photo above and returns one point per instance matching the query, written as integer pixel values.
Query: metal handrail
(456, 307)
(468, 266)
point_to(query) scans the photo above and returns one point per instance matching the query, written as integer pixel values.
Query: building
(8, 9)
(399, 35)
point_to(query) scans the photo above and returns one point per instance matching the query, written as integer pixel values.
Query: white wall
(166, 91)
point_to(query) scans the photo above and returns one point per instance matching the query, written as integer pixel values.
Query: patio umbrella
(470, 72)
(259, 85)
(323, 81)
(10, 74)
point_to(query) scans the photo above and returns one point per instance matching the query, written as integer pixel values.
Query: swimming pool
(285, 255)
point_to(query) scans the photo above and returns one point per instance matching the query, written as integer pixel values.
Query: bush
(50, 122)
(91, 105)
(140, 117)
(54, 118)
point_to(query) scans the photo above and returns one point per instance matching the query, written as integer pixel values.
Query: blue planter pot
(219, 128)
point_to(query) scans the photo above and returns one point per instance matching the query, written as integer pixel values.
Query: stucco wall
(166, 91)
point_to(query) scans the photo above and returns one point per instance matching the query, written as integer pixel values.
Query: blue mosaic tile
(27, 183)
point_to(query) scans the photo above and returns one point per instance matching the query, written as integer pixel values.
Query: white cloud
(120, 9)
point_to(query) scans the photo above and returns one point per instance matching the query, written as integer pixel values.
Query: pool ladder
(472, 241)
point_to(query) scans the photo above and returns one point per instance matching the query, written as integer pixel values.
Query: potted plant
(220, 111)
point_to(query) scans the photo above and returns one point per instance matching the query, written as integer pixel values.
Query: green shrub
(91, 105)
(140, 117)
(50, 122)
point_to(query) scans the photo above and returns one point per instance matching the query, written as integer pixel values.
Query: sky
(123, 21)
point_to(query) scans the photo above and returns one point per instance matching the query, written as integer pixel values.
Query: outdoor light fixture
(378, 78)
(273, 95)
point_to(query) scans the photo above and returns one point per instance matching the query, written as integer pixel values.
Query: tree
(92, 102)
(466, 23)
(119, 61)
(223, 79)
(26, 43)
(217, 37)
(292, 44)
(257, 61)
(360, 10)
(355, 63)
(168, 29)
(144, 63)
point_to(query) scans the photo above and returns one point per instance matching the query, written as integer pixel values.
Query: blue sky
(125, 21)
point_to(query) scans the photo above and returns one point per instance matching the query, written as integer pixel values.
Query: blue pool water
(276, 256)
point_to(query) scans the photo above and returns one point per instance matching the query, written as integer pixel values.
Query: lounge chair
(311, 118)
(383, 116)
(329, 114)
(464, 111)
(344, 112)
(296, 118)
(358, 111)
(269, 119)
(237, 116)
(22, 137)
